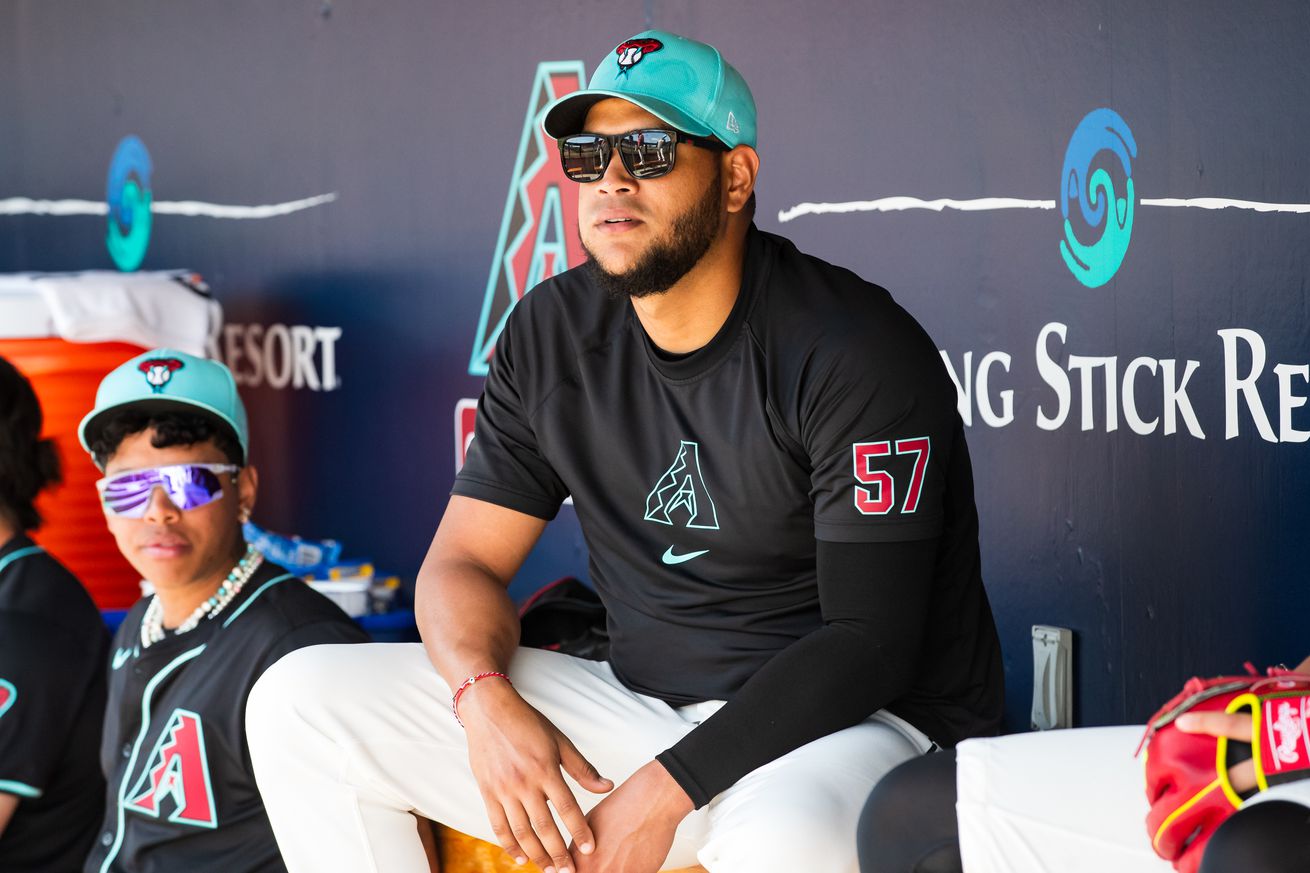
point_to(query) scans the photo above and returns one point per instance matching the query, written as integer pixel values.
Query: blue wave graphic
(129, 198)
(1101, 130)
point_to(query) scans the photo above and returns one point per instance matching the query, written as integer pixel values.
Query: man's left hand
(634, 825)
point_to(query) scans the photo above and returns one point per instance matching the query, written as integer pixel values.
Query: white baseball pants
(348, 740)
(1072, 801)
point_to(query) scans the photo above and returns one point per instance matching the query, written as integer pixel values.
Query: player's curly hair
(28, 463)
(171, 429)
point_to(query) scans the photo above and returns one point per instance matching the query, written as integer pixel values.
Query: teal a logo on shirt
(680, 496)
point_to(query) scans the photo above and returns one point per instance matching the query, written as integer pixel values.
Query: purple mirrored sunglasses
(188, 486)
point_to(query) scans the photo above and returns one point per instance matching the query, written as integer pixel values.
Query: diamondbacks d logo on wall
(539, 230)
(177, 771)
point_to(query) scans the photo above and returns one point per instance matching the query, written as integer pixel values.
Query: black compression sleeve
(874, 598)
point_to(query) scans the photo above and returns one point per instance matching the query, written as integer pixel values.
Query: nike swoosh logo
(121, 656)
(670, 558)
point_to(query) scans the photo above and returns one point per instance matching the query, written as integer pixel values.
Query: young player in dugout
(52, 663)
(169, 431)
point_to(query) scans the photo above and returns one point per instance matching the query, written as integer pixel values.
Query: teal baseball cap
(684, 83)
(163, 380)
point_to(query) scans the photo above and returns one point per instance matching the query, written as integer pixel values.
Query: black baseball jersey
(820, 411)
(181, 790)
(52, 696)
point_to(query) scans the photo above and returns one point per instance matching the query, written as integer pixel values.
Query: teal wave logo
(1101, 142)
(129, 197)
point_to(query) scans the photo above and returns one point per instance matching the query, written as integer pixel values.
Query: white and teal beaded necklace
(152, 623)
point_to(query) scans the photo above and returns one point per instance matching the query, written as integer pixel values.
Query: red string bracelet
(468, 683)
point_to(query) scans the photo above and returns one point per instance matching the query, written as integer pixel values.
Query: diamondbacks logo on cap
(158, 371)
(632, 51)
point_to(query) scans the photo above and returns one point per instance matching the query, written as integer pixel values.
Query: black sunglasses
(646, 154)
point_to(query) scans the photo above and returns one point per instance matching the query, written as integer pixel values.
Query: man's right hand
(516, 755)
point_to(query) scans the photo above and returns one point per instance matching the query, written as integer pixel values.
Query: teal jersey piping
(258, 591)
(136, 746)
(21, 553)
(22, 789)
(9, 786)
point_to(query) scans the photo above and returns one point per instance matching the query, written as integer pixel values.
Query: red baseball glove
(1187, 782)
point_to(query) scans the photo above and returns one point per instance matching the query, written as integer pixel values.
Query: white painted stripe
(983, 204)
(193, 208)
(189, 208)
(896, 204)
(1223, 203)
(28, 206)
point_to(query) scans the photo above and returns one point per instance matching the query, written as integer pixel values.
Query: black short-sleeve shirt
(52, 697)
(181, 789)
(821, 410)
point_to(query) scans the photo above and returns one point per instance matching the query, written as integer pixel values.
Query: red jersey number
(880, 496)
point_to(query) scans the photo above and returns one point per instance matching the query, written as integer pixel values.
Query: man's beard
(672, 257)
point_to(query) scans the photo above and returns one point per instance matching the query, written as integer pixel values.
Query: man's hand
(634, 826)
(516, 755)
(1235, 726)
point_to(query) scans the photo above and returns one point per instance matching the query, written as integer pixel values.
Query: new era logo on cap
(732, 123)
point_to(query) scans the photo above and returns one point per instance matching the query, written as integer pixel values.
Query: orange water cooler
(65, 376)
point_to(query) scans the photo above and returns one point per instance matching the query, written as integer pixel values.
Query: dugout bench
(450, 851)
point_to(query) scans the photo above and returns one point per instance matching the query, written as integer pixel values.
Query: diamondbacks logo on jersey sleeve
(8, 694)
(680, 494)
(177, 771)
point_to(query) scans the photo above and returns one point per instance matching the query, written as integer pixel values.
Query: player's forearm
(875, 599)
(830, 680)
(465, 618)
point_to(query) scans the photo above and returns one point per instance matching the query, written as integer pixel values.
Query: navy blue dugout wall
(1168, 553)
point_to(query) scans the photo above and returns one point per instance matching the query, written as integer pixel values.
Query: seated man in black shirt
(169, 431)
(771, 476)
(53, 647)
